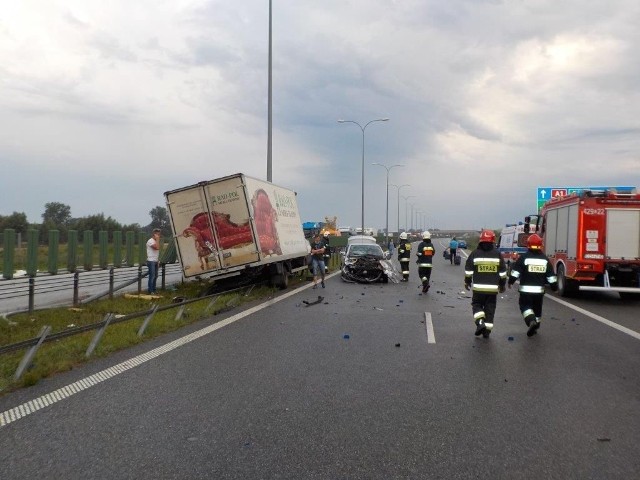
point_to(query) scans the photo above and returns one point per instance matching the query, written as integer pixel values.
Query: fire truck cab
(592, 238)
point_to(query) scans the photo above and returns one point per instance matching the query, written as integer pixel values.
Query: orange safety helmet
(487, 236)
(534, 242)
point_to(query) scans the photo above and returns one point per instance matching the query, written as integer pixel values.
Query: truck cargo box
(233, 223)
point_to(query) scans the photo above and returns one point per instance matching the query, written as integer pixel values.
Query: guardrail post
(139, 279)
(96, 338)
(111, 277)
(32, 293)
(143, 327)
(180, 312)
(164, 274)
(76, 286)
(26, 360)
(212, 303)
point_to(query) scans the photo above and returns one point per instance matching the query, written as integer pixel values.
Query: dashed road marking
(428, 323)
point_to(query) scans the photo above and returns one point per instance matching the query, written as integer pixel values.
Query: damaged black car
(364, 261)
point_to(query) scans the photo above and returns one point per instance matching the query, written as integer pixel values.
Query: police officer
(485, 272)
(404, 255)
(534, 270)
(425, 252)
(327, 251)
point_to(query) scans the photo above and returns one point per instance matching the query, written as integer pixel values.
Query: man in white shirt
(153, 252)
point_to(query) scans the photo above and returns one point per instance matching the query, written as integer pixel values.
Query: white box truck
(237, 225)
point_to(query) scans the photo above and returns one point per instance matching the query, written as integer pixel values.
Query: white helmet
(426, 235)
(403, 236)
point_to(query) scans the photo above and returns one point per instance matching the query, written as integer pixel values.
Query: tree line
(57, 216)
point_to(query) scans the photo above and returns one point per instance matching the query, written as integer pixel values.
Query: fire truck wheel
(566, 287)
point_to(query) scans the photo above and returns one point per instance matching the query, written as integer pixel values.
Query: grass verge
(67, 353)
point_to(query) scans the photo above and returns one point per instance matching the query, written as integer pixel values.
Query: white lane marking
(428, 323)
(620, 328)
(60, 394)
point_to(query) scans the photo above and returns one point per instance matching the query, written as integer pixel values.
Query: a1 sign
(558, 192)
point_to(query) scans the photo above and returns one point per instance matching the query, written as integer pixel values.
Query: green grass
(67, 353)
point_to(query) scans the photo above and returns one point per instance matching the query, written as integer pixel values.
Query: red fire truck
(593, 240)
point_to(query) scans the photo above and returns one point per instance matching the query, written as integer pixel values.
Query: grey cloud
(110, 47)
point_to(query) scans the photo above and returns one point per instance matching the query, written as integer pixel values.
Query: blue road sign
(547, 193)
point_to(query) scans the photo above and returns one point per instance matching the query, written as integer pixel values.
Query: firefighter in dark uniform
(534, 270)
(327, 251)
(404, 256)
(425, 252)
(486, 274)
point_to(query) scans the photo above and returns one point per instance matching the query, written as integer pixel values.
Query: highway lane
(348, 388)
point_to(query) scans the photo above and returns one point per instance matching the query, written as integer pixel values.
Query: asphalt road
(374, 382)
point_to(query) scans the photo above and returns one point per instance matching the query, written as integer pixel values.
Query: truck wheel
(280, 280)
(566, 287)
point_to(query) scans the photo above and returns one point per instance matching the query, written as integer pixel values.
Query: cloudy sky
(105, 105)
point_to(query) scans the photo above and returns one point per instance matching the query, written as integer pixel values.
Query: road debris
(308, 303)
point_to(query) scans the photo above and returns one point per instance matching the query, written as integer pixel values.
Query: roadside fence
(32, 345)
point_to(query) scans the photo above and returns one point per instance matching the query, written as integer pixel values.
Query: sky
(104, 106)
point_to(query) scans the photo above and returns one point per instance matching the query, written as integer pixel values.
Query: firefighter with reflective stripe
(425, 260)
(404, 256)
(486, 274)
(327, 251)
(533, 270)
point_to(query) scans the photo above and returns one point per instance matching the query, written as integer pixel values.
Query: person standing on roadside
(485, 273)
(317, 259)
(425, 252)
(153, 253)
(453, 249)
(534, 270)
(404, 255)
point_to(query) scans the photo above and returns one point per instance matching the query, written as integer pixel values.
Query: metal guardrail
(115, 278)
(33, 344)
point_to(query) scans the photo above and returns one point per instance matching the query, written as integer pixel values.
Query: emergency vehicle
(592, 238)
(511, 237)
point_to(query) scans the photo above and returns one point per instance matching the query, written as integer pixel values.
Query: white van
(508, 242)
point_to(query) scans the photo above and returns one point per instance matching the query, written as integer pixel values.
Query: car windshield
(359, 250)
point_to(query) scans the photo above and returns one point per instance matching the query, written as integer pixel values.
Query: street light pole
(363, 129)
(270, 108)
(405, 210)
(412, 205)
(388, 169)
(399, 187)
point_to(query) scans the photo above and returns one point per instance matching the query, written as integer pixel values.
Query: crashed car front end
(368, 269)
